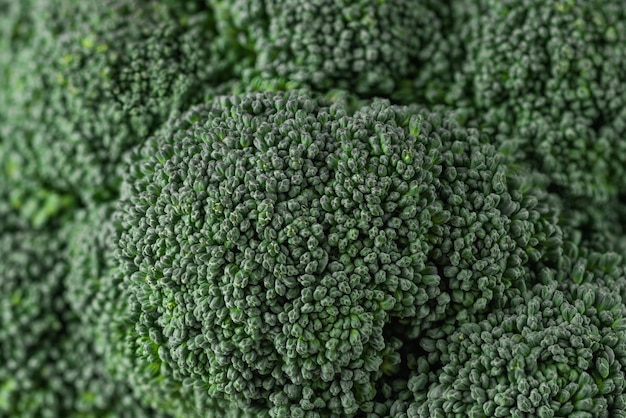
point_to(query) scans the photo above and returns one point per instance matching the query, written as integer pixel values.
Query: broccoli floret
(186, 233)
(555, 350)
(583, 265)
(96, 78)
(31, 274)
(558, 350)
(90, 261)
(550, 76)
(30, 300)
(48, 366)
(96, 297)
(34, 203)
(48, 363)
(267, 240)
(15, 28)
(600, 227)
(78, 376)
(367, 46)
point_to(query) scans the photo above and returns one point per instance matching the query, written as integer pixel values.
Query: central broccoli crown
(267, 240)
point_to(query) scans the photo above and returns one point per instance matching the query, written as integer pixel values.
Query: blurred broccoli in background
(96, 78)
(369, 47)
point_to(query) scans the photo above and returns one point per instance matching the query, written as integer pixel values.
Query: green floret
(48, 366)
(582, 265)
(34, 203)
(31, 276)
(99, 77)
(551, 353)
(601, 227)
(550, 75)
(96, 297)
(268, 240)
(77, 376)
(14, 28)
(367, 46)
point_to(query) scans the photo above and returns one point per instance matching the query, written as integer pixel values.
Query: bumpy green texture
(87, 387)
(30, 297)
(580, 264)
(90, 260)
(48, 367)
(184, 233)
(266, 240)
(557, 349)
(595, 226)
(552, 353)
(31, 273)
(48, 364)
(33, 203)
(96, 295)
(550, 75)
(14, 28)
(99, 77)
(367, 46)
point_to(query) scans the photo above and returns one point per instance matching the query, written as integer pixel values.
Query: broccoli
(369, 47)
(89, 234)
(95, 297)
(33, 203)
(48, 365)
(30, 294)
(549, 75)
(545, 78)
(556, 350)
(13, 29)
(96, 78)
(596, 227)
(320, 209)
(266, 241)
(551, 353)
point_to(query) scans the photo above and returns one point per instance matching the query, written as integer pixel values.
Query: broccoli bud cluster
(243, 208)
(551, 353)
(549, 75)
(97, 78)
(48, 364)
(267, 240)
(367, 46)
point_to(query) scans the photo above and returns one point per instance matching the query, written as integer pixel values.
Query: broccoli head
(96, 298)
(48, 365)
(96, 78)
(557, 349)
(600, 227)
(30, 299)
(267, 240)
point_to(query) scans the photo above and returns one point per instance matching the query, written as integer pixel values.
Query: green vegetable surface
(312, 209)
